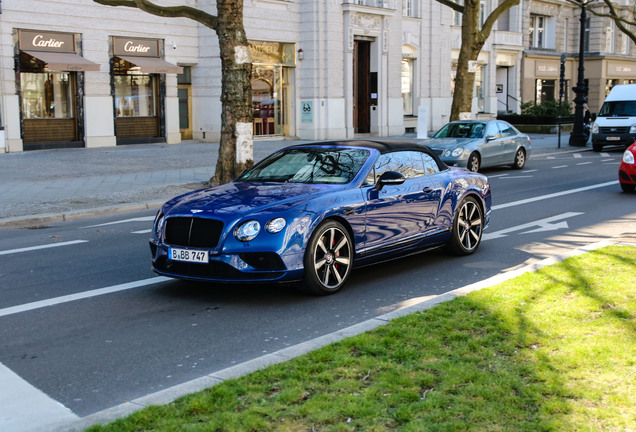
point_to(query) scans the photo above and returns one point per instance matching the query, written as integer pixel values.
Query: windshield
(309, 165)
(461, 130)
(618, 108)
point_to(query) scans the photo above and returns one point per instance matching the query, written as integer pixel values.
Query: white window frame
(609, 36)
(542, 31)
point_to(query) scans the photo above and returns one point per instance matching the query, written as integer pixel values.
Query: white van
(616, 121)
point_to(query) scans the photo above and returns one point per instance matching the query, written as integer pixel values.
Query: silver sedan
(476, 144)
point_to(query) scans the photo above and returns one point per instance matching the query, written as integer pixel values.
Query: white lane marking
(604, 154)
(146, 231)
(609, 160)
(577, 155)
(19, 400)
(542, 225)
(518, 177)
(560, 166)
(32, 248)
(80, 296)
(530, 171)
(553, 195)
(550, 157)
(498, 175)
(584, 163)
(139, 219)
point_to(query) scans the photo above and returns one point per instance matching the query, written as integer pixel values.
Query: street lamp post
(578, 137)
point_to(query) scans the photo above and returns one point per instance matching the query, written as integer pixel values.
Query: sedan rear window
(309, 165)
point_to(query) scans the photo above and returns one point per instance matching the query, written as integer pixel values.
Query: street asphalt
(48, 186)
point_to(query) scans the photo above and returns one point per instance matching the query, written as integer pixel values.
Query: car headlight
(628, 157)
(247, 231)
(594, 128)
(457, 152)
(275, 225)
(159, 220)
(632, 129)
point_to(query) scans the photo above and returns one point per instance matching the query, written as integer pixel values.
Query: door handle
(428, 190)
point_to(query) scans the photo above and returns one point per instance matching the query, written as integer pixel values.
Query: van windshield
(618, 108)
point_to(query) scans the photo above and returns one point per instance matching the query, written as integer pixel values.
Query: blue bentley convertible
(313, 212)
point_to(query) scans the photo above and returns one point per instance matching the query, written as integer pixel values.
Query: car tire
(328, 259)
(628, 188)
(468, 225)
(597, 147)
(473, 162)
(520, 159)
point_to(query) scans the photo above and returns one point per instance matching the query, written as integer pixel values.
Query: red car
(627, 170)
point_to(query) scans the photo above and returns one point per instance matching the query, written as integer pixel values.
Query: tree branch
(451, 4)
(200, 16)
(494, 16)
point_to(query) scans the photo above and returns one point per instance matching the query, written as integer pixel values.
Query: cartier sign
(138, 47)
(31, 40)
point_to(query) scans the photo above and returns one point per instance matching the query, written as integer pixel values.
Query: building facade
(553, 29)
(77, 74)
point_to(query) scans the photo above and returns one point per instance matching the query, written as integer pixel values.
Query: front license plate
(613, 138)
(188, 255)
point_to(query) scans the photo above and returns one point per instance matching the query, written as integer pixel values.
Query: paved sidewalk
(48, 186)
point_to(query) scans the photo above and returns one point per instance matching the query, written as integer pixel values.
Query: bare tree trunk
(235, 153)
(473, 40)
(469, 51)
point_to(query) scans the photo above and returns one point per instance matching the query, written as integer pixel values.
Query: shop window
(407, 86)
(134, 96)
(545, 91)
(270, 97)
(46, 95)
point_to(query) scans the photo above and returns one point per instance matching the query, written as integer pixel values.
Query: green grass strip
(553, 350)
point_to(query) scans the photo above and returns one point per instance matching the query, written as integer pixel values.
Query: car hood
(242, 198)
(443, 143)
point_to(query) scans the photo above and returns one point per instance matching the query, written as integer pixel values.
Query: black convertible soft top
(383, 146)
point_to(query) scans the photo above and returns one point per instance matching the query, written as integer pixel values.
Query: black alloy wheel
(520, 159)
(473, 162)
(468, 226)
(328, 259)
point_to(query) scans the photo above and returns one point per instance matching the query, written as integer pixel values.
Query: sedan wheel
(467, 228)
(473, 162)
(328, 259)
(520, 159)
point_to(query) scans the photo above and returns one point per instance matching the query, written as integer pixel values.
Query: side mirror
(390, 178)
(490, 138)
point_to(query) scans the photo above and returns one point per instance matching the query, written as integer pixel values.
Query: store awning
(152, 64)
(57, 61)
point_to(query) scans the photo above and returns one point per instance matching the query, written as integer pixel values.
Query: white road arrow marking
(543, 225)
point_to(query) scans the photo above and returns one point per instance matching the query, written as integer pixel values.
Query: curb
(45, 219)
